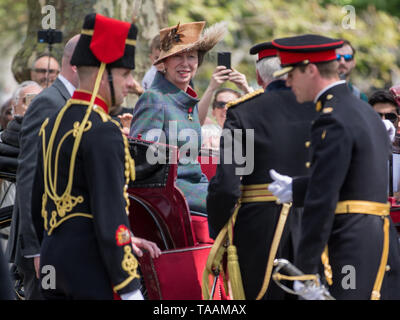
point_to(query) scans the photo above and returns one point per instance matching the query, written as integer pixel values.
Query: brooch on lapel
(190, 113)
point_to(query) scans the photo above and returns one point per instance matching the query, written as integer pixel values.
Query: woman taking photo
(170, 106)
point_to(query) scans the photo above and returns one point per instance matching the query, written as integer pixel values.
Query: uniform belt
(260, 193)
(363, 207)
(377, 209)
(256, 193)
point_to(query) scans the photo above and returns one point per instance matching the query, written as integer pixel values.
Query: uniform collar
(327, 88)
(86, 96)
(277, 85)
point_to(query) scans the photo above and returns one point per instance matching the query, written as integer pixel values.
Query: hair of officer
(383, 96)
(328, 69)
(266, 68)
(221, 90)
(16, 95)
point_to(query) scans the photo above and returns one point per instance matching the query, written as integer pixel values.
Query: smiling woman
(170, 105)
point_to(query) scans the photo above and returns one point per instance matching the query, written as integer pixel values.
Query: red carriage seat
(159, 212)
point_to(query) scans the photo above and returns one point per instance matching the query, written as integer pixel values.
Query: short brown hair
(347, 42)
(327, 69)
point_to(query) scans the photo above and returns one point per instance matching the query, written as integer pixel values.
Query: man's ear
(260, 82)
(312, 70)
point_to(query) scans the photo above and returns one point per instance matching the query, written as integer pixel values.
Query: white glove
(391, 130)
(134, 295)
(281, 187)
(309, 292)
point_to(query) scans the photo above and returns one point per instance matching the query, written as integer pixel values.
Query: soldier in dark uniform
(279, 126)
(346, 218)
(80, 201)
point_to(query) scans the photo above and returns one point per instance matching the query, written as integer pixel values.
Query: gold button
(387, 268)
(308, 164)
(308, 144)
(329, 97)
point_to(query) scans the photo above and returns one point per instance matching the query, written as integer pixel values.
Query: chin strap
(110, 81)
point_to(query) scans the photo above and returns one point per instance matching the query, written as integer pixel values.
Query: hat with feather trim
(106, 40)
(188, 37)
(305, 49)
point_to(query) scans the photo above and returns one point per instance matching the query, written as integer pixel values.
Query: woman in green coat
(168, 111)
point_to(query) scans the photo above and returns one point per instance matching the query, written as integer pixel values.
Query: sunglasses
(392, 117)
(50, 71)
(219, 104)
(346, 57)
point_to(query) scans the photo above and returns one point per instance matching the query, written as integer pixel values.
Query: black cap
(304, 49)
(106, 40)
(264, 50)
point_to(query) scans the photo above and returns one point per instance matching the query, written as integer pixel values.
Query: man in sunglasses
(347, 62)
(385, 105)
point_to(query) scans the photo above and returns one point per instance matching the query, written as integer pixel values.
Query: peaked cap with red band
(106, 40)
(264, 50)
(305, 49)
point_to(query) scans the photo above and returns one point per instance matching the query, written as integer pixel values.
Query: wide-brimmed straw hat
(188, 37)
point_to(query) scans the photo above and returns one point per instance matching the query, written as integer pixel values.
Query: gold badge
(123, 235)
(327, 110)
(318, 106)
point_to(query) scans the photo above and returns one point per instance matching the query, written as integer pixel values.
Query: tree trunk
(152, 16)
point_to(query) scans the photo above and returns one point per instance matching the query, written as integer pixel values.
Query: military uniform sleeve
(300, 185)
(41, 108)
(104, 161)
(330, 163)
(36, 198)
(148, 114)
(224, 187)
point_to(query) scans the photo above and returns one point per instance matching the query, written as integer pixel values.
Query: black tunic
(281, 129)
(350, 162)
(88, 250)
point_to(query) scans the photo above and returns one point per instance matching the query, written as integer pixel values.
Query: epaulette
(246, 97)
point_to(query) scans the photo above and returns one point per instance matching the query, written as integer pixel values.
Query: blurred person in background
(347, 62)
(45, 70)
(5, 113)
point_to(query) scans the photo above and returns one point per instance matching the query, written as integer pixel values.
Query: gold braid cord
(224, 244)
(66, 201)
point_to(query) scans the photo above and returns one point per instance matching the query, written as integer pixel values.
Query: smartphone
(224, 59)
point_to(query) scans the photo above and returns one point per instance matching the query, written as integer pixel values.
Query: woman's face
(181, 68)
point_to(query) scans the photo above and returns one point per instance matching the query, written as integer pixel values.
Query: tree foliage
(376, 34)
